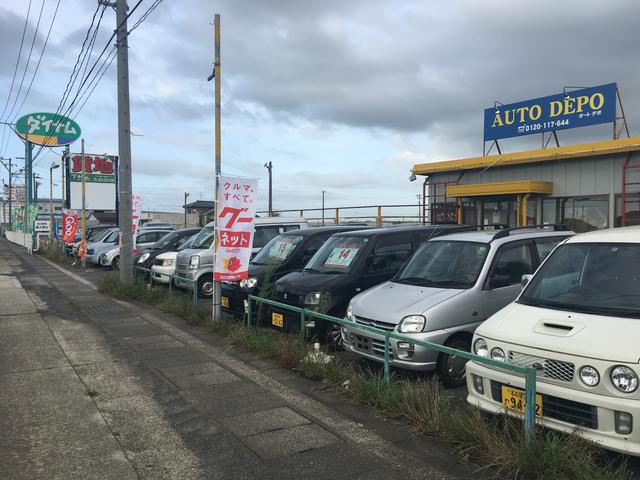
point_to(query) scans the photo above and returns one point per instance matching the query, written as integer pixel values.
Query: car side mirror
(499, 281)
(524, 281)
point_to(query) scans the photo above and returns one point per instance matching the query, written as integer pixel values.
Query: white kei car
(577, 322)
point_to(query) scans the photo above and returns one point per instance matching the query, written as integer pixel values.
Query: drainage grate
(102, 308)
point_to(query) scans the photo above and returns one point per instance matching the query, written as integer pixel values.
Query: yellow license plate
(514, 399)
(277, 320)
(224, 301)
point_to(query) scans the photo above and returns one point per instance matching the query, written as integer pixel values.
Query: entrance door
(502, 210)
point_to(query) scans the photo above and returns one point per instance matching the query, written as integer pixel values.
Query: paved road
(95, 388)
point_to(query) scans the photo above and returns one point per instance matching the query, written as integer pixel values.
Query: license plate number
(514, 399)
(277, 320)
(224, 301)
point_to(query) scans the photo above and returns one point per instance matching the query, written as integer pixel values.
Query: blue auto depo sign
(578, 108)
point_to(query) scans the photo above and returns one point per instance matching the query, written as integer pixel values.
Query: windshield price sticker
(342, 255)
(282, 249)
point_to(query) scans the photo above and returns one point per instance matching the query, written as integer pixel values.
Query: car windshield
(443, 264)
(188, 243)
(338, 255)
(97, 233)
(204, 239)
(165, 241)
(112, 237)
(278, 249)
(101, 235)
(596, 278)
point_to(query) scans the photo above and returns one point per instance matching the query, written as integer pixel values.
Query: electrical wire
(144, 16)
(15, 72)
(107, 64)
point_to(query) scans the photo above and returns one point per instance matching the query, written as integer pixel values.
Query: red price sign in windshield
(69, 225)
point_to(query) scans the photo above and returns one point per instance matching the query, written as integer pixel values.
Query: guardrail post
(379, 217)
(170, 282)
(530, 405)
(386, 360)
(337, 216)
(249, 311)
(195, 293)
(302, 322)
(150, 280)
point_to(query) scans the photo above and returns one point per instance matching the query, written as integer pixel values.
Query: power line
(15, 72)
(144, 16)
(26, 65)
(104, 70)
(44, 47)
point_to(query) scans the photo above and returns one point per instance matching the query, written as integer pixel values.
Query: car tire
(331, 334)
(115, 264)
(451, 368)
(205, 286)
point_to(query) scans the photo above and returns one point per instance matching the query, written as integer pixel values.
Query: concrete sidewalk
(95, 388)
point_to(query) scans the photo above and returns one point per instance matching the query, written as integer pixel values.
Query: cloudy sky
(342, 96)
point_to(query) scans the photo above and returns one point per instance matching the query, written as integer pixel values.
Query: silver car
(103, 243)
(448, 287)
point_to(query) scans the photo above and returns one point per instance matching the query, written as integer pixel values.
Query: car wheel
(205, 287)
(452, 368)
(115, 264)
(332, 336)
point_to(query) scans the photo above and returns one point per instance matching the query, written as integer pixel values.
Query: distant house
(205, 210)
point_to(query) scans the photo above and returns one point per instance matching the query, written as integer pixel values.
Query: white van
(577, 323)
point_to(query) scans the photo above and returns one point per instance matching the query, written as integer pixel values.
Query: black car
(347, 264)
(286, 253)
(169, 243)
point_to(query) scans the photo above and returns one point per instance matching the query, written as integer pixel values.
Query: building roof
(531, 156)
(200, 205)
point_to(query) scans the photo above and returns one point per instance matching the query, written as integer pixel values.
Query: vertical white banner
(136, 204)
(236, 212)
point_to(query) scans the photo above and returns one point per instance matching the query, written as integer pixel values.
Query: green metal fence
(193, 283)
(529, 374)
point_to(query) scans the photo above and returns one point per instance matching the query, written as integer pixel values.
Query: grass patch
(498, 443)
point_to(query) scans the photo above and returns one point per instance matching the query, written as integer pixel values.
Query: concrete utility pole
(27, 193)
(269, 167)
(217, 314)
(51, 168)
(64, 161)
(125, 215)
(84, 192)
(9, 167)
(186, 195)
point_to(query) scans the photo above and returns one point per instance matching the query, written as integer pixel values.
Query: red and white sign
(236, 212)
(136, 204)
(69, 225)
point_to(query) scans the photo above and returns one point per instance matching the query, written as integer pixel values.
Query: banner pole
(216, 297)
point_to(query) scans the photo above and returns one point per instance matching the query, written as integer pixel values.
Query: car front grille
(545, 367)
(375, 323)
(568, 411)
(290, 299)
(370, 345)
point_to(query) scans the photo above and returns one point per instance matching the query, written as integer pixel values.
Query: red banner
(69, 225)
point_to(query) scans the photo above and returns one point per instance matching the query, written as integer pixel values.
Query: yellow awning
(499, 188)
(531, 156)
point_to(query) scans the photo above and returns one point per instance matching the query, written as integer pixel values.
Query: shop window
(580, 214)
(633, 210)
(469, 212)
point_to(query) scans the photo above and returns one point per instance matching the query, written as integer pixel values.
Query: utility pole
(269, 167)
(9, 167)
(125, 219)
(36, 184)
(64, 160)
(27, 193)
(186, 195)
(323, 208)
(51, 168)
(419, 196)
(217, 314)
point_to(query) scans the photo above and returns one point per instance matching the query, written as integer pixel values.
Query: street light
(51, 169)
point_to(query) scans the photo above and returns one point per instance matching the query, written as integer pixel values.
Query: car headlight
(248, 282)
(312, 298)
(498, 354)
(412, 324)
(194, 261)
(480, 347)
(143, 258)
(168, 262)
(589, 376)
(624, 379)
(349, 314)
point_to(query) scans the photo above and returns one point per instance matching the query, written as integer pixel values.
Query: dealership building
(586, 186)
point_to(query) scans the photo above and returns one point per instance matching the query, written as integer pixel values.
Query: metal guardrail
(171, 277)
(529, 374)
